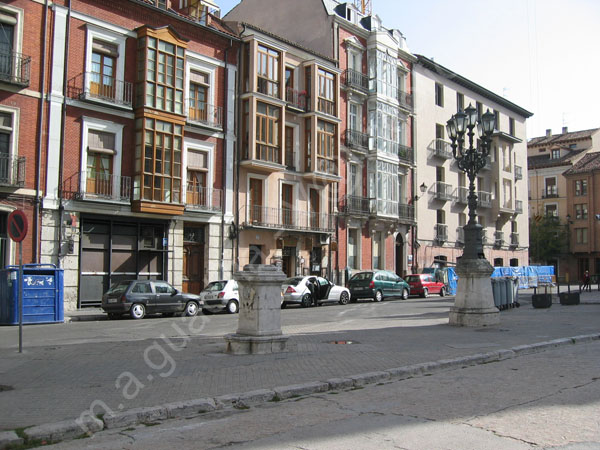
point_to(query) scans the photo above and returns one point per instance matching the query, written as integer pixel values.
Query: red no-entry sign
(17, 225)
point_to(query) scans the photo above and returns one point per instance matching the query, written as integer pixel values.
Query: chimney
(565, 130)
(549, 132)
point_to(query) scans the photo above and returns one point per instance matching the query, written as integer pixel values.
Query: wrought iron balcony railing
(14, 68)
(441, 232)
(441, 148)
(518, 206)
(514, 239)
(484, 199)
(406, 154)
(202, 113)
(352, 204)
(355, 80)
(443, 191)
(405, 99)
(12, 170)
(462, 195)
(97, 186)
(288, 219)
(357, 140)
(297, 99)
(93, 86)
(204, 199)
(406, 212)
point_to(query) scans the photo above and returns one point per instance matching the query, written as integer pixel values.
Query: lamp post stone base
(474, 303)
(259, 323)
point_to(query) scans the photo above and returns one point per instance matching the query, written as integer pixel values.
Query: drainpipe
(224, 160)
(237, 158)
(61, 207)
(38, 171)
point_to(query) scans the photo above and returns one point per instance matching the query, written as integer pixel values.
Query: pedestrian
(586, 281)
(311, 288)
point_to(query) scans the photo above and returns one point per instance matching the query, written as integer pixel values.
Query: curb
(70, 429)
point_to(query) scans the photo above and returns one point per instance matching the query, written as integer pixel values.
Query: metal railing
(406, 212)
(550, 192)
(283, 218)
(267, 87)
(498, 238)
(204, 199)
(484, 199)
(352, 204)
(519, 206)
(441, 232)
(443, 191)
(405, 99)
(14, 68)
(12, 170)
(297, 99)
(406, 154)
(204, 113)
(98, 186)
(441, 148)
(357, 140)
(384, 207)
(91, 86)
(514, 239)
(356, 80)
(462, 195)
(518, 172)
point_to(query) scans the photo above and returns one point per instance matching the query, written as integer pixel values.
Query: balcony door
(290, 156)
(287, 204)
(198, 95)
(196, 188)
(102, 82)
(255, 195)
(7, 32)
(315, 208)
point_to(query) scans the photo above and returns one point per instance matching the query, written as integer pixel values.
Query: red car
(424, 284)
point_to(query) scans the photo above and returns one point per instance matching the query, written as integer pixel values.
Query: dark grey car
(140, 297)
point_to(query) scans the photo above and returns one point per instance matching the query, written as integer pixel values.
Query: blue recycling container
(43, 294)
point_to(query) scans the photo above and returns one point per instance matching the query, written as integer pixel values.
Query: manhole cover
(343, 342)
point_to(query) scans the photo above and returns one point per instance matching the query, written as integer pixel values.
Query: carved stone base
(474, 304)
(238, 344)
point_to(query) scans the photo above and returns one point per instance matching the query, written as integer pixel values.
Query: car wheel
(344, 298)
(191, 309)
(137, 311)
(232, 307)
(283, 305)
(425, 293)
(443, 292)
(404, 294)
(206, 312)
(378, 296)
(306, 301)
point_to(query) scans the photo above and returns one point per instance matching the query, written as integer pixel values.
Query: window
(551, 189)
(105, 67)
(383, 74)
(255, 254)
(354, 181)
(267, 133)
(511, 126)
(581, 211)
(353, 245)
(439, 94)
(101, 148)
(14, 66)
(102, 77)
(580, 187)
(384, 123)
(326, 92)
(460, 101)
(581, 235)
(555, 154)
(198, 98)
(383, 186)
(355, 117)
(439, 137)
(497, 119)
(163, 75)
(479, 108)
(268, 71)
(6, 146)
(326, 149)
(507, 187)
(551, 210)
(289, 78)
(197, 192)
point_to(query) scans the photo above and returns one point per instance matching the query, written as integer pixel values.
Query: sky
(540, 54)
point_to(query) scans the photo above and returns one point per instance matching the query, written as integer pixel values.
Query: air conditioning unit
(324, 239)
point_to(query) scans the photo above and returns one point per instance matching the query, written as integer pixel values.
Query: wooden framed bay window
(268, 147)
(326, 92)
(267, 63)
(326, 147)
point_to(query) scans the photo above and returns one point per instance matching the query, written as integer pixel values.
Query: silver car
(220, 296)
(298, 291)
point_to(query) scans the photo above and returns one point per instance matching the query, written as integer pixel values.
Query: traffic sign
(17, 225)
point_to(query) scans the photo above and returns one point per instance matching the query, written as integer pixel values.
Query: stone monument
(259, 323)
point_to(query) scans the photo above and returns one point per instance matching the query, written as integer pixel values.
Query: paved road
(550, 399)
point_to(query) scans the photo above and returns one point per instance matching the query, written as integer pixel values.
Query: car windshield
(412, 278)
(216, 286)
(293, 281)
(362, 276)
(118, 288)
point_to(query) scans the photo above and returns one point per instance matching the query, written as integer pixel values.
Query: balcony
(355, 80)
(357, 140)
(487, 165)
(204, 114)
(355, 205)
(12, 170)
(462, 195)
(484, 236)
(514, 239)
(297, 100)
(387, 208)
(443, 191)
(518, 207)
(406, 154)
(267, 158)
(98, 186)
(200, 198)
(267, 87)
(88, 86)
(441, 149)
(550, 192)
(406, 213)
(484, 199)
(498, 238)
(440, 232)
(460, 235)
(288, 219)
(518, 173)
(14, 68)
(405, 100)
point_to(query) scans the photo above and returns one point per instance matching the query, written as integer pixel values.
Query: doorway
(289, 261)
(193, 259)
(400, 269)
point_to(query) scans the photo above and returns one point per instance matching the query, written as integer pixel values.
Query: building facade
(501, 187)
(138, 143)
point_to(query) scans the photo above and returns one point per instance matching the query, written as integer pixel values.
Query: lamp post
(474, 304)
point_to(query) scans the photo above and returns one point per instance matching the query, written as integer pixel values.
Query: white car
(221, 296)
(295, 290)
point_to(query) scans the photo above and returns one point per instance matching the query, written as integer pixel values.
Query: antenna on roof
(364, 6)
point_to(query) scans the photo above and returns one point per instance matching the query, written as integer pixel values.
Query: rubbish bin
(510, 293)
(498, 292)
(43, 294)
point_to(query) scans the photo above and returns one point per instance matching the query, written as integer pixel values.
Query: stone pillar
(474, 303)
(259, 323)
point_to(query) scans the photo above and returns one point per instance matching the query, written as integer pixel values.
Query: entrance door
(289, 261)
(193, 259)
(256, 195)
(399, 255)
(286, 204)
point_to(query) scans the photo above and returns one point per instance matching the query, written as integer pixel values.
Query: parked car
(377, 285)
(220, 296)
(424, 284)
(296, 291)
(140, 297)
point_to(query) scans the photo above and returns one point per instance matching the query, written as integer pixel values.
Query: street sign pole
(17, 230)
(20, 281)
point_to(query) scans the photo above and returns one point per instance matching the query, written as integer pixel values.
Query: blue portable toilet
(43, 294)
(452, 280)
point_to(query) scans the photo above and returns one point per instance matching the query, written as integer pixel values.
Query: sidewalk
(53, 384)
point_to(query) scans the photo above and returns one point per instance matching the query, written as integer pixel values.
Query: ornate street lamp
(474, 304)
